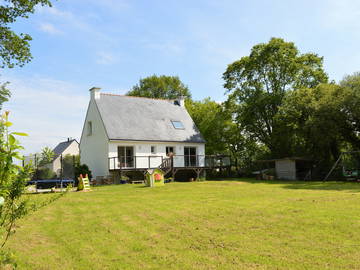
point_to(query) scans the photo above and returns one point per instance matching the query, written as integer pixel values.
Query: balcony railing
(178, 161)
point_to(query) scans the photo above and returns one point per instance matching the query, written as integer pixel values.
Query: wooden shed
(290, 168)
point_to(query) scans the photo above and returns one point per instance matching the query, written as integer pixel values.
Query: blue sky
(78, 44)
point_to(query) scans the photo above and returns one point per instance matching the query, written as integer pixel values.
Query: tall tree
(257, 85)
(212, 121)
(4, 94)
(321, 120)
(14, 48)
(47, 155)
(167, 87)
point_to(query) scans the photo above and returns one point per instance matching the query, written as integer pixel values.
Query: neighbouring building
(290, 168)
(68, 147)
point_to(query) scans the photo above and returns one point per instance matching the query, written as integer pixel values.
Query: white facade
(101, 154)
(94, 146)
(146, 159)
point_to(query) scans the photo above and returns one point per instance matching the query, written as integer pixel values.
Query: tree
(12, 179)
(15, 48)
(47, 155)
(4, 94)
(166, 87)
(14, 51)
(322, 121)
(210, 119)
(257, 84)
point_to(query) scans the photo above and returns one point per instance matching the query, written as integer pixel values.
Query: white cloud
(105, 58)
(48, 110)
(50, 29)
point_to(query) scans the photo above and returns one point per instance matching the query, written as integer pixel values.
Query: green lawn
(201, 225)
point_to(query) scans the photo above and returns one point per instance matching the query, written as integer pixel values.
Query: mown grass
(202, 225)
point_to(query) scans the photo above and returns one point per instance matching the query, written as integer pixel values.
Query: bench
(137, 182)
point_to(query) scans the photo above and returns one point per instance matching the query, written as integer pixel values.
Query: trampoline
(50, 183)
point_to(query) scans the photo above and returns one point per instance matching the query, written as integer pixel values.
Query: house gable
(94, 146)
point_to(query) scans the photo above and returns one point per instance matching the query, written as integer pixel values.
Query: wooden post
(74, 166)
(198, 171)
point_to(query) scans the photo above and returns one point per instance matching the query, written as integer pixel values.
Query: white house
(69, 147)
(135, 133)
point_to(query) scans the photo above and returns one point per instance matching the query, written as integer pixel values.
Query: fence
(179, 161)
(62, 167)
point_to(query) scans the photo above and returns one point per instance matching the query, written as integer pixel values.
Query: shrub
(12, 180)
(44, 173)
(82, 169)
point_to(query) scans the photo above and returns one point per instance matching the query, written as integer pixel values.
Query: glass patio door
(190, 158)
(126, 156)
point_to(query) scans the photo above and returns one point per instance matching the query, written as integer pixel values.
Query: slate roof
(145, 119)
(61, 147)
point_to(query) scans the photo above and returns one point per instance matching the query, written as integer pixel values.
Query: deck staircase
(166, 166)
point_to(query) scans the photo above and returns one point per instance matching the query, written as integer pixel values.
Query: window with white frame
(153, 149)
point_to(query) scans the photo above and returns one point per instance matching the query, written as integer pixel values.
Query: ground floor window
(126, 156)
(170, 149)
(190, 157)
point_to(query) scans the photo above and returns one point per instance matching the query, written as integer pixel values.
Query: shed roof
(145, 119)
(61, 147)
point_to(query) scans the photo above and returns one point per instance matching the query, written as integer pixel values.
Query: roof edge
(132, 140)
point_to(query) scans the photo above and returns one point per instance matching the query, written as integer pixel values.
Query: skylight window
(178, 124)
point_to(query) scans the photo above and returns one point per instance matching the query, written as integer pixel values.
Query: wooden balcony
(134, 163)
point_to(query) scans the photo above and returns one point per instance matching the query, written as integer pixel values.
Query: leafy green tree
(12, 179)
(257, 84)
(352, 105)
(211, 120)
(4, 94)
(15, 48)
(166, 87)
(47, 156)
(322, 121)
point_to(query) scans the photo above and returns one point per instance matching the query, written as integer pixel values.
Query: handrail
(152, 161)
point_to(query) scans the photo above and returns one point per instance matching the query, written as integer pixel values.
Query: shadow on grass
(310, 185)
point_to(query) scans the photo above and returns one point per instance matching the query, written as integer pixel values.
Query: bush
(44, 173)
(82, 169)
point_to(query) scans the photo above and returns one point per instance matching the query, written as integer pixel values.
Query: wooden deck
(169, 165)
